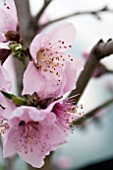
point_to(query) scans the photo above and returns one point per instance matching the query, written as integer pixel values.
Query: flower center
(50, 62)
(26, 136)
(45, 58)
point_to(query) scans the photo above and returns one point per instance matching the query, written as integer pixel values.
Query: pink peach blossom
(85, 55)
(34, 133)
(5, 104)
(8, 19)
(6, 107)
(5, 83)
(44, 19)
(63, 162)
(66, 113)
(52, 72)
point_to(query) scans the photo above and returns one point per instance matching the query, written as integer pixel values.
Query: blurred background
(91, 143)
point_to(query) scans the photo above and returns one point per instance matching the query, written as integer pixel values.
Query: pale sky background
(95, 143)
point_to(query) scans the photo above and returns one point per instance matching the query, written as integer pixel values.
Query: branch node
(110, 39)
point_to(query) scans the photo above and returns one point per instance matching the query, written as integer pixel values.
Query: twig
(92, 113)
(36, 19)
(9, 164)
(95, 13)
(99, 51)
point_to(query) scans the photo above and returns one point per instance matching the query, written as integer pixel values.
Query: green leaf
(7, 95)
(15, 99)
(19, 101)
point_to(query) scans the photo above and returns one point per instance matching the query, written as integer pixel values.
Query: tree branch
(99, 51)
(95, 13)
(92, 113)
(9, 164)
(24, 15)
(109, 71)
(36, 19)
(25, 18)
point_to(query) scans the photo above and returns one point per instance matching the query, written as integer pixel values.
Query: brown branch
(24, 15)
(92, 113)
(36, 19)
(9, 164)
(25, 18)
(99, 51)
(95, 13)
(109, 71)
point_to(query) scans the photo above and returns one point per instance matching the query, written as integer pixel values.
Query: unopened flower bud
(12, 36)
